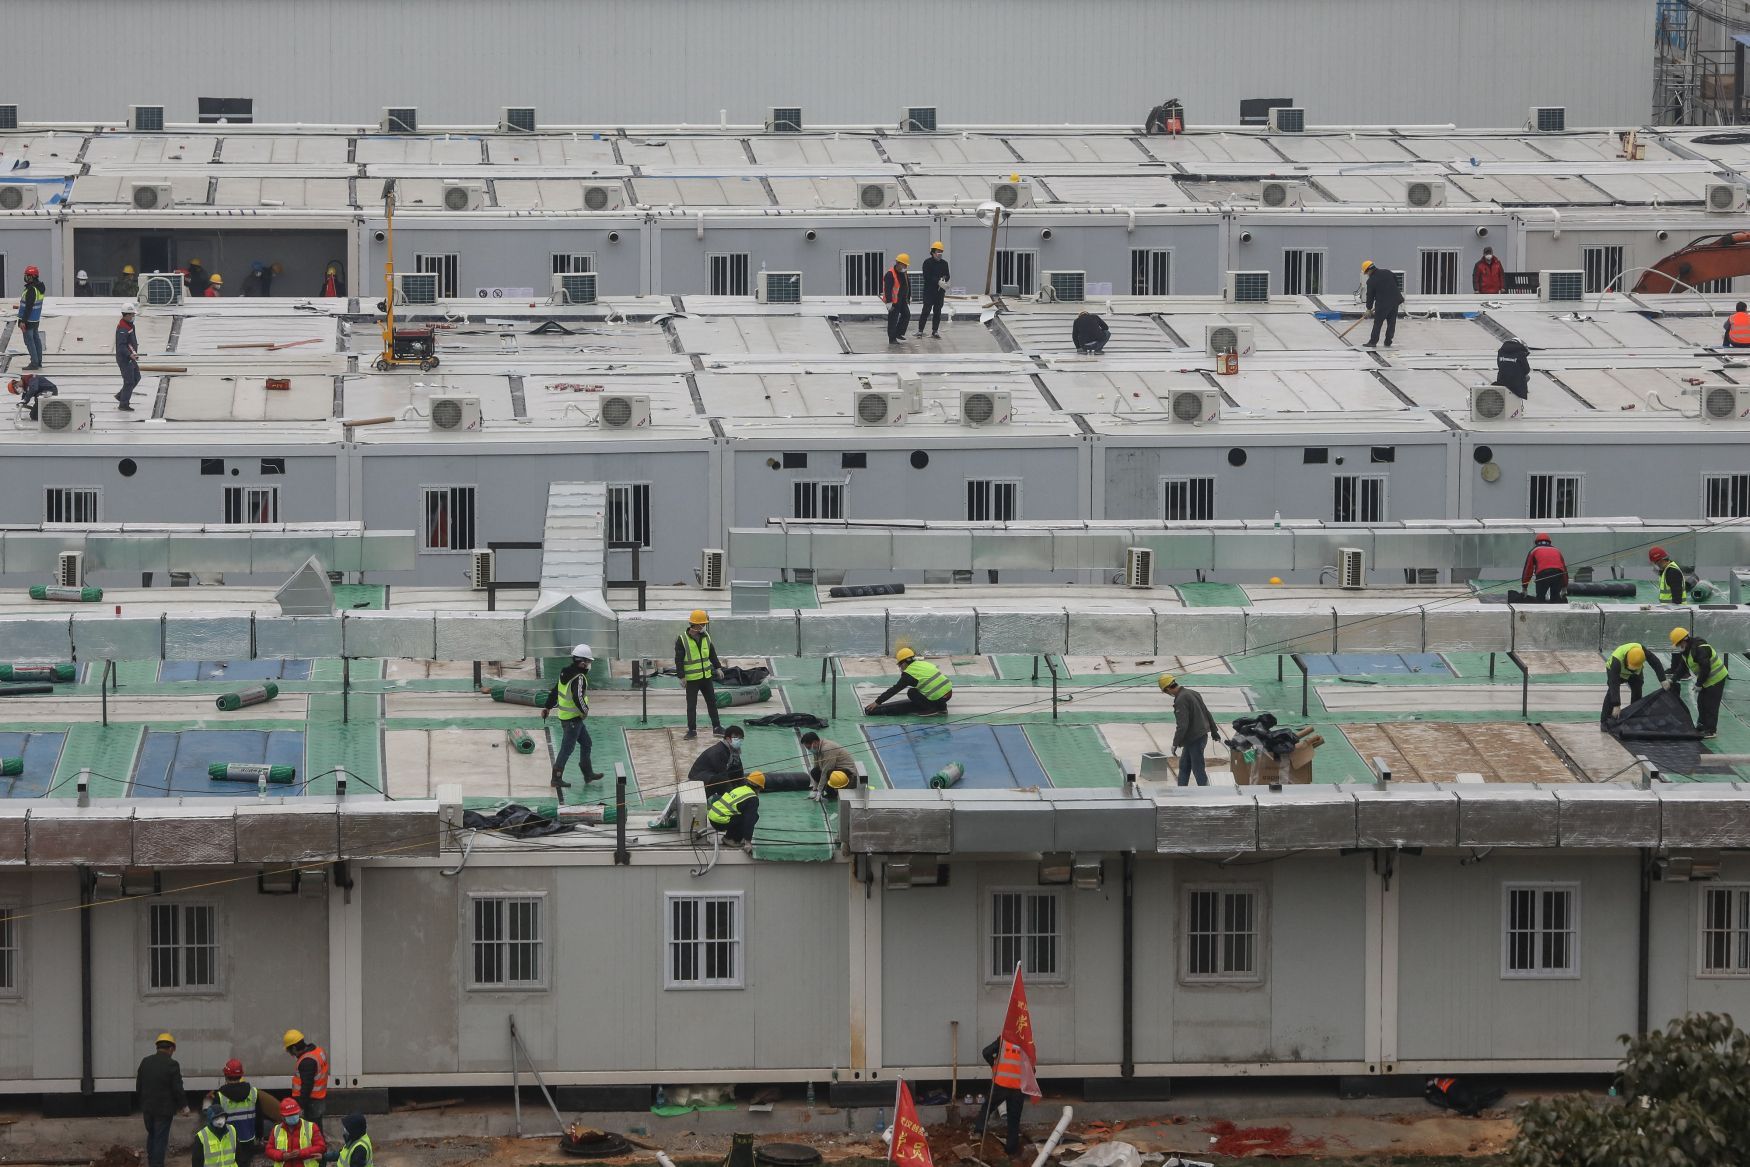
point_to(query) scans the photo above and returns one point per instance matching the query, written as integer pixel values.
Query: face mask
(218, 1122)
(734, 745)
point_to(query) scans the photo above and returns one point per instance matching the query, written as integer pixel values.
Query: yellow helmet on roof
(838, 780)
(699, 616)
(904, 655)
(757, 780)
(1165, 680)
(903, 257)
(1678, 636)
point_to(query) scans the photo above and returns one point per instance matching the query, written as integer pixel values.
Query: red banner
(1018, 1031)
(910, 1146)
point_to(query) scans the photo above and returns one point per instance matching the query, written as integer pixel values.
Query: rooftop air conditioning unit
(64, 415)
(1351, 568)
(877, 196)
(784, 119)
(9, 117)
(878, 406)
(576, 287)
(517, 119)
(416, 287)
(455, 414)
(151, 196)
(1227, 338)
(713, 569)
(625, 411)
(1490, 404)
(918, 119)
(1288, 119)
(1562, 286)
(1247, 287)
(1723, 197)
(604, 197)
(482, 568)
(400, 119)
(1725, 404)
(1012, 195)
(19, 198)
(778, 287)
(1282, 194)
(146, 119)
(70, 569)
(1425, 192)
(979, 407)
(1194, 406)
(1139, 567)
(1548, 119)
(912, 387)
(1065, 287)
(160, 289)
(464, 196)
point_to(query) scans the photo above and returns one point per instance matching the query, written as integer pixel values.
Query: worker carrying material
(1545, 567)
(736, 812)
(309, 1076)
(1513, 367)
(1698, 660)
(570, 696)
(1672, 581)
(718, 765)
(215, 1142)
(825, 757)
(928, 689)
(242, 1104)
(1626, 666)
(1737, 333)
(696, 664)
(1193, 727)
(296, 1141)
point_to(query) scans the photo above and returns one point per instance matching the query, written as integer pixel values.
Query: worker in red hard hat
(1672, 582)
(244, 1106)
(1545, 567)
(296, 1141)
(29, 388)
(30, 316)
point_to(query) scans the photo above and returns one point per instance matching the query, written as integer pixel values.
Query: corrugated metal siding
(1482, 62)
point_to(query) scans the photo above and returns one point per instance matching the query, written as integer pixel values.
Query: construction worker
(718, 765)
(29, 388)
(1626, 664)
(333, 280)
(1488, 278)
(309, 1076)
(737, 811)
(927, 689)
(126, 284)
(935, 276)
(1698, 660)
(1545, 566)
(241, 1102)
(896, 294)
(82, 284)
(357, 1151)
(1090, 333)
(1513, 367)
(158, 1082)
(30, 316)
(1193, 727)
(1004, 1060)
(259, 281)
(127, 356)
(194, 278)
(215, 1141)
(1737, 333)
(696, 664)
(1672, 582)
(1384, 298)
(826, 758)
(571, 697)
(215, 282)
(296, 1141)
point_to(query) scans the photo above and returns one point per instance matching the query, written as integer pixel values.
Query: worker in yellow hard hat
(928, 689)
(158, 1082)
(1384, 298)
(309, 1075)
(214, 283)
(1696, 659)
(195, 278)
(935, 280)
(896, 294)
(696, 664)
(737, 811)
(127, 284)
(1626, 665)
(1193, 727)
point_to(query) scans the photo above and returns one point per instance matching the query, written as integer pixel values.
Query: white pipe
(1056, 1134)
(663, 1159)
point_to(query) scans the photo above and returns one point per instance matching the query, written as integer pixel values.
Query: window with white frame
(810, 499)
(1187, 499)
(1725, 930)
(446, 267)
(1603, 266)
(449, 518)
(509, 945)
(252, 504)
(71, 504)
(726, 274)
(572, 263)
(1303, 271)
(993, 500)
(1439, 271)
(863, 272)
(1719, 287)
(1223, 934)
(1358, 498)
(1553, 496)
(629, 513)
(1151, 271)
(9, 971)
(703, 938)
(182, 947)
(1026, 929)
(1019, 269)
(1725, 496)
(1541, 930)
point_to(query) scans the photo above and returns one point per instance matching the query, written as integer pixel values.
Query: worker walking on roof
(309, 1076)
(935, 277)
(158, 1082)
(30, 316)
(1698, 660)
(215, 1140)
(1545, 566)
(296, 1141)
(1513, 367)
(127, 356)
(241, 1103)
(696, 664)
(1384, 298)
(1737, 334)
(1193, 727)
(126, 284)
(826, 758)
(1672, 582)
(927, 689)
(1006, 1077)
(570, 695)
(896, 294)
(1488, 278)
(718, 765)
(736, 811)
(1626, 665)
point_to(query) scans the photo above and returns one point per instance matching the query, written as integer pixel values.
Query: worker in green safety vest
(570, 696)
(927, 689)
(215, 1143)
(358, 1151)
(737, 811)
(696, 664)
(1625, 667)
(1672, 582)
(1696, 658)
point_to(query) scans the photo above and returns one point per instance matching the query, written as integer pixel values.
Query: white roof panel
(927, 150)
(1214, 148)
(467, 150)
(1339, 147)
(1449, 389)
(713, 335)
(1545, 190)
(571, 150)
(135, 150)
(284, 149)
(1299, 331)
(684, 151)
(1120, 148)
(547, 194)
(185, 188)
(809, 150)
(200, 398)
(1142, 190)
(730, 191)
(291, 193)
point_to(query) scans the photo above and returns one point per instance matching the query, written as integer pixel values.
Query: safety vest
(932, 684)
(1444, 1084)
(241, 1115)
(1619, 658)
(362, 1141)
(217, 1150)
(319, 1091)
(1665, 594)
(1738, 329)
(726, 805)
(568, 704)
(1007, 1071)
(282, 1140)
(697, 657)
(1715, 675)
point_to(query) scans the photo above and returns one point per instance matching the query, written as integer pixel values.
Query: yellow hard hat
(1678, 636)
(164, 1039)
(128, 269)
(699, 617)
(194, 263)
(757, 780)
(1366, 264)
(1637, 656)
(904, 655)
(1166, 679)
(217, 280)
(937, 246)
(293, 1037)
(332, 269)
(903, 257)
(838, 780)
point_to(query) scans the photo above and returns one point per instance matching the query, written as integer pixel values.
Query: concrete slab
(1441, 751)
(123, 708)
(482, 761)
(1601, 757)
(1456, 698)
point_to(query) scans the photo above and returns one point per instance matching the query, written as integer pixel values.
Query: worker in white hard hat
(82, 283)
(696, 664)
(127, 356)
(571, 697)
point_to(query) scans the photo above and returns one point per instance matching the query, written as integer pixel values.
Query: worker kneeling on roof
(927, 689)
(1545, 567)
(737, 811)
(1737, 334)
(1626, 664)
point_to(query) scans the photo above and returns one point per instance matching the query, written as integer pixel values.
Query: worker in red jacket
(1546, 567)
(1488, 278)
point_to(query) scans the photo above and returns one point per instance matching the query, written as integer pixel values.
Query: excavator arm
(1711, 257)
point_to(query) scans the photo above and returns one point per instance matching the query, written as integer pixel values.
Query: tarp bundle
(1659, 727)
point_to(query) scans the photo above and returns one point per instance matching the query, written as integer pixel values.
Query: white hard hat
(582, 650)
(82, 274)
(130, 308)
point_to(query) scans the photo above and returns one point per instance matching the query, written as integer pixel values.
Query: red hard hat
(1656, 555)
(31, 271)
(1543, 537)
(290, 1108)
(233, 1069)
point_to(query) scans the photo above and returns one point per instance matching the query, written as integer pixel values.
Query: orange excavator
(1711, 257)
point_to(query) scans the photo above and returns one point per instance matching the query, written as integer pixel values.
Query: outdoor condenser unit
(1351, 568)
(1139, 567)
(70, 570)
(482, 568)
(713, 569)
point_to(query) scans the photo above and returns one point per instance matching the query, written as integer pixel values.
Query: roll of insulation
(947, 776)
(54, 673)
(72, 595)
(743, 695)
(518, 695)
(251, 772)
(244, 698)
(522, 741)
(11, 767)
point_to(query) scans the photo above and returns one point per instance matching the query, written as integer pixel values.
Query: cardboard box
(1266, 772)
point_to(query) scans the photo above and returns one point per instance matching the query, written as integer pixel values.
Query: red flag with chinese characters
(1018, 1031)
(910, 1146)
